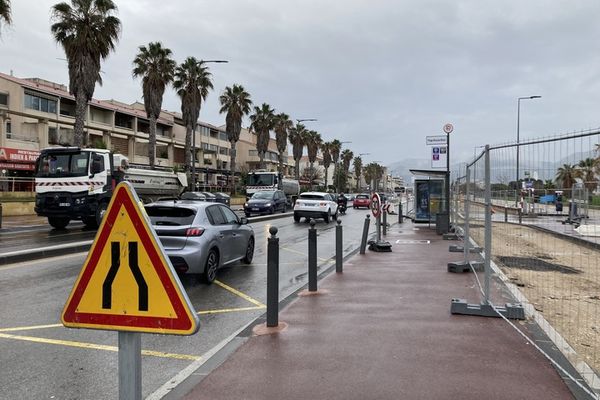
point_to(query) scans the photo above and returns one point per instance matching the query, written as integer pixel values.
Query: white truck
(73, 183)
(260, 180)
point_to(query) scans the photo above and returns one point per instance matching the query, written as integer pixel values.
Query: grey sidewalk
(383, 330)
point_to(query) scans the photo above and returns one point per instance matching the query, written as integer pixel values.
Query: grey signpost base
(130, 365)
(379, 245)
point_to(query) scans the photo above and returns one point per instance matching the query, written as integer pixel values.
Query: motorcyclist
(342, 202)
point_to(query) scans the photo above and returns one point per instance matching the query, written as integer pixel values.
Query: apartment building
(247, 155)
(36, 113)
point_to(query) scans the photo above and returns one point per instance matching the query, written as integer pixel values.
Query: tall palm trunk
(232, 155)
(261, 160)
(152, 142)
(188, 145)
(80, 114)
(312, 174)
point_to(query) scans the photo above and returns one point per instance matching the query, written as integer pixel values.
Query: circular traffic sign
(448, 128)
(375, 205)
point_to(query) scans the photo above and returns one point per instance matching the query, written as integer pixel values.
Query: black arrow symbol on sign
(137, 275)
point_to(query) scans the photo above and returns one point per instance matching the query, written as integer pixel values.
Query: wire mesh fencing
(537, 222)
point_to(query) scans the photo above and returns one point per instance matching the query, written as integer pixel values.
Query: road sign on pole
(375, 205)
(127, 282)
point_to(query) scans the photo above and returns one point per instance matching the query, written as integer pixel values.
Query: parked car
(210, 196)
(316, 205)
(198, 196)
(224, 198)
(361, 200)
(200, 237)
(265, 202)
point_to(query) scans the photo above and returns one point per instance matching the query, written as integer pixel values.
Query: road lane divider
(93, 346)
(240, 294)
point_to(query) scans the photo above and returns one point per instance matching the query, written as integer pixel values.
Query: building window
(224, 151)
(8, 128)
(223, 136)
(42, 104)
(4, 99)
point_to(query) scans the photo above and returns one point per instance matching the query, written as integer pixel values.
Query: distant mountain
(502, 170)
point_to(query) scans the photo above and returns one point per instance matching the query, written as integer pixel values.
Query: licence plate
(255, 209)
(64, 204)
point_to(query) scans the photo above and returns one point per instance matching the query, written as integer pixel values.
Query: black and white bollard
(400, 212)
(384, 222)
(365, 234)
(273, 279)
(339, 248)
(312, 257)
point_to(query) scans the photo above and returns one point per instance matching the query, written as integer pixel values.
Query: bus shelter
(430, 196)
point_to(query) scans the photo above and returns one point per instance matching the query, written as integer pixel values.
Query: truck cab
(73, 183)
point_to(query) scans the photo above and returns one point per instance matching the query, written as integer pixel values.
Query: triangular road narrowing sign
(127, 282)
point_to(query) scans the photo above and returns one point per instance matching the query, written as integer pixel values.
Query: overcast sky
(381, 74)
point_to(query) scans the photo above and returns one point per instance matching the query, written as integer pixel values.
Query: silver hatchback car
(200, 237)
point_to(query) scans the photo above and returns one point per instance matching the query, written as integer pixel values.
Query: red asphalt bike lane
(383, 330)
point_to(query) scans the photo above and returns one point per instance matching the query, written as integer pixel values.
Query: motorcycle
(342, 206)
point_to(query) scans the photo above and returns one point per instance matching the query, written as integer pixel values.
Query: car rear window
(362, 196)
(312, 196)
(171, 216)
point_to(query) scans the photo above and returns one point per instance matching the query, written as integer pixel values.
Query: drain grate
(535, 264)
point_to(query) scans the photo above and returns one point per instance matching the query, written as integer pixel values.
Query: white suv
(315, 205)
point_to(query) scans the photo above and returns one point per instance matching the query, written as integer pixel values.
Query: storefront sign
(18, 155)
(17, 166)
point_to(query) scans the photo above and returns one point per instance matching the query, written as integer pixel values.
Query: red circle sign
(375, 205)
(448, 128)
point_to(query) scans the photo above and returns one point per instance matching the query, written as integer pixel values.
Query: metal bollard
(505, 214)
(273, 278)
(520, 216)
(365, 235)
(339, 251)
(400, 212)
(384, 222)
(312, 257)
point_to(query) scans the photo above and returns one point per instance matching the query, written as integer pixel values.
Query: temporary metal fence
(539, 237)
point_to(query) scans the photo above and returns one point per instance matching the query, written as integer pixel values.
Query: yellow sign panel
(127, 283)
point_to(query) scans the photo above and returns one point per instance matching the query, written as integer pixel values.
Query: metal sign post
(130, 365)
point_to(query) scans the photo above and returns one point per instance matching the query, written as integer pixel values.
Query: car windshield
(312, 196)
(62, 165)
(170, 216)
(260, 179)
(263, 195)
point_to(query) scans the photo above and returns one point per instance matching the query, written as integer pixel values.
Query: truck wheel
(100, 211)
(58, 222)
(296, 217)
(90, 222)
(326, 217)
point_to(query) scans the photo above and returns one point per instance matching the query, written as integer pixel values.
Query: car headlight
(245, 204)
(268, 205)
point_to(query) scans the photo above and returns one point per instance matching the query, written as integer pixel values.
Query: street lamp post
(518, 123)
(194, 132)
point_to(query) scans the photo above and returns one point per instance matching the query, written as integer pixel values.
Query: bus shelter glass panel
(429, 199)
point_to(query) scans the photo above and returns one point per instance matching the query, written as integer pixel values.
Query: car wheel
(247, 215)
(335, 216)
(249, 251)
(58, 222)
(100, 211)
(211, 266)
(272, 210)
(283, 208)
(326, 217)
(296, 218)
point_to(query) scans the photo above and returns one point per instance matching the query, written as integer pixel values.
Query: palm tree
(357, 171)
(282, 126)
(336, 147)
(325, 151)
(297, 137)
(5, 12)
(88, 32)
(347, 156)
(313, 143)
(156, 67)
(192, 83)
(262, 121)
(236, 102)
(566, 177)
(373, 173)
(586, 171)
